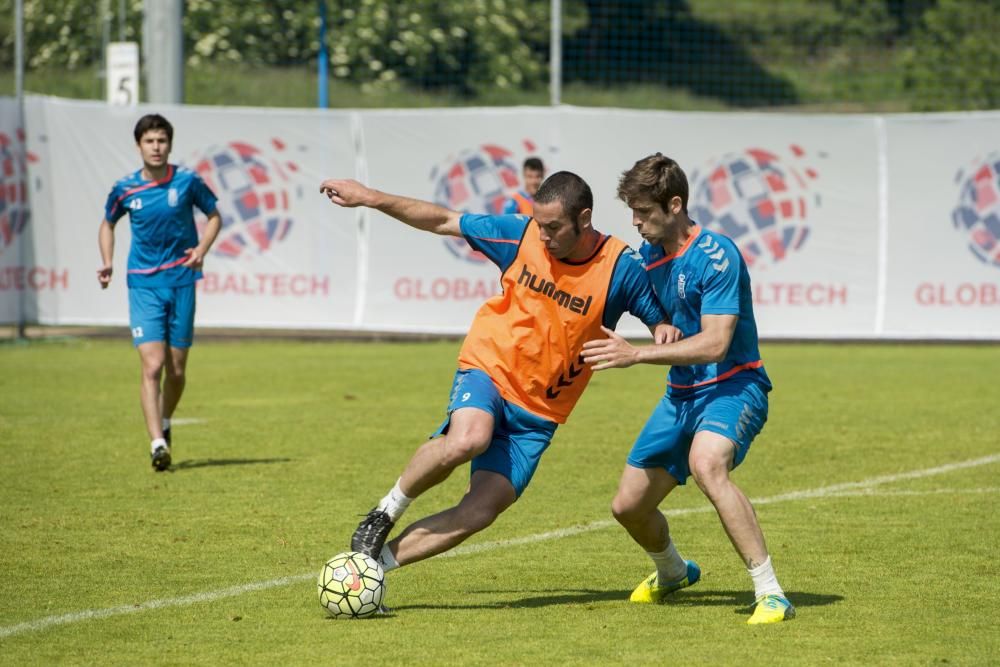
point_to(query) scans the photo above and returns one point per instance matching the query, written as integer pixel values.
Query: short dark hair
(654, 177)
(534, 164)
(568, 188)
(153, 121)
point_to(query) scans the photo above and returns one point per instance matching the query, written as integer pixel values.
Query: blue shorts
(736, 409)
(162, 314)
(519, 436)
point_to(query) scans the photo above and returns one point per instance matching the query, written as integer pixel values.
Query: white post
(555, 55)
(882, 285)
(19, 50)
(21, 150)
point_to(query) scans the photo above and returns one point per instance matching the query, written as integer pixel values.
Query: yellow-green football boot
(651, 592)
(771, 609)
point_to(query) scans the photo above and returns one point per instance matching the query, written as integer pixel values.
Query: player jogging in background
(164, 261)
(716, 398)
(532, 175)
(519, 369)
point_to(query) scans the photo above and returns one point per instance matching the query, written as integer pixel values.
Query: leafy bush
(468, 46)
(955, 59)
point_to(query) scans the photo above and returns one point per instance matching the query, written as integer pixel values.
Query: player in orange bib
(532, 174)
(520, 371)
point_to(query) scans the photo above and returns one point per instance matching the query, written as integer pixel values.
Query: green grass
(299, 439)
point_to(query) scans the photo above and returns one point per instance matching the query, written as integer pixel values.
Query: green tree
(465, 46)
(954, 62)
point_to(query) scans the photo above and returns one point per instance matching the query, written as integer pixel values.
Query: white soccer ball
(351, 585)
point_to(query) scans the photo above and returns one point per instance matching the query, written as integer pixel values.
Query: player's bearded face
(650, 220)
(557, 230)
(154, 148)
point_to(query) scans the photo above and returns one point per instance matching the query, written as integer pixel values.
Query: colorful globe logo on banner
(255, 195)
(477, 180)
(977, 215)
(14, 210)
(760, 199)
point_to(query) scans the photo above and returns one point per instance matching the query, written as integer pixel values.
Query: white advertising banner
(465, 159)
(284, 258)
(943, 271)
(850, 231)
(20, 276)
(798, 194)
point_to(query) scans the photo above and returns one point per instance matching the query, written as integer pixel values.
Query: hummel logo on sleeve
(714, 251)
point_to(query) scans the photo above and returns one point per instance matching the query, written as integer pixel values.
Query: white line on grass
(209, 596)
(824, 491)
(862, 488)
(184, 421)
(904, 492)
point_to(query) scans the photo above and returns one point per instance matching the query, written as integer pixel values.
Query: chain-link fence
(847, 55)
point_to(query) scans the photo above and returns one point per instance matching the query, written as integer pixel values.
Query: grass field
(876, 482)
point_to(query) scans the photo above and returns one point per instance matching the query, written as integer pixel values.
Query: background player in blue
(532, 175)
(716, 399)
(164, 262)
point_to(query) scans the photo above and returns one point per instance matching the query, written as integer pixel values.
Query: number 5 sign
(123, 73)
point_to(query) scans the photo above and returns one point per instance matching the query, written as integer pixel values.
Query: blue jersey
(707, 277)
(162, 221)
(498, 237)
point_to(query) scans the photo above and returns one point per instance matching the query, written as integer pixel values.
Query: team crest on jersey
(172, 197)
(681, 281)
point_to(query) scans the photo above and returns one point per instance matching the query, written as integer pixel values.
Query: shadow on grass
(741, 599)
(208, 463)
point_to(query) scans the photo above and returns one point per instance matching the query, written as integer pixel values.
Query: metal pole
(22, 158)
(322, 70)
(163, 48)
(19, 51)
(105, 38)
(555, 55)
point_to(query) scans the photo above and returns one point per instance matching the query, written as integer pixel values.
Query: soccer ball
(351, 585)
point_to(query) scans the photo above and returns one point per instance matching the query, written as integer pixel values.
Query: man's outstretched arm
(416, 213)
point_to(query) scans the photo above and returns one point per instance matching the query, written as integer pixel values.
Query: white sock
(669, 564)
(166, 423)
(386, 559)
(395, 503)
(764, 580)
(157, 442)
